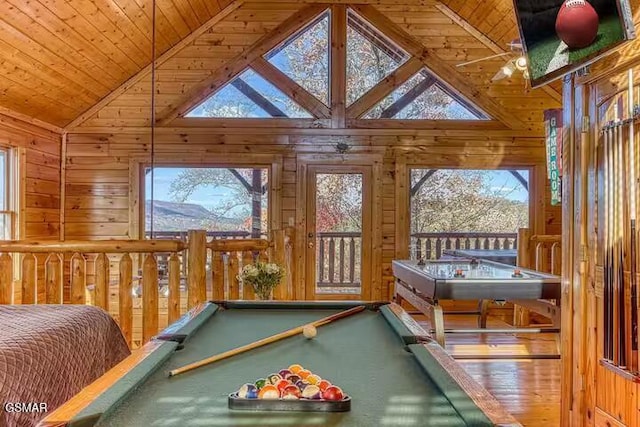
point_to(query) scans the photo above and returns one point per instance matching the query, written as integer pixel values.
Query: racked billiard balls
(293, 378)
(304, 374)
(282, 384)
(313, 379)
(261, 382)
(248, 391)
(284, 373)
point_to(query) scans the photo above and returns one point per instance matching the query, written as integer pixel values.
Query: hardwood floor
(528, 388)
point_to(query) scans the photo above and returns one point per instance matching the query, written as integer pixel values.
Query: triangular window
(249, 96)
(304, 58)
(423, 97)
(370, 56)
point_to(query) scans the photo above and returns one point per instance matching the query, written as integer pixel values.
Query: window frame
(12, 191)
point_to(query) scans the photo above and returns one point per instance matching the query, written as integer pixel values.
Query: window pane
(3, 180)
(227, 202)
(466, 209)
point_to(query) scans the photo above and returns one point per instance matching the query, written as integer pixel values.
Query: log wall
(102, 168)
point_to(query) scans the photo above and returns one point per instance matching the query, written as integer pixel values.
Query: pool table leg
(437, 318)
(483, 309)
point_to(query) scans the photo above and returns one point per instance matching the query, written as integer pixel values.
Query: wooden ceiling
(59, 58)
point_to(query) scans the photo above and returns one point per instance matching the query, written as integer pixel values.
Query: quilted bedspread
(48, 353)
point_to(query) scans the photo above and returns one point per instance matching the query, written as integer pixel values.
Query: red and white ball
(577, 23)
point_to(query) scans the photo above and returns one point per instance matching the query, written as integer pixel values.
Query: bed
(48, 353)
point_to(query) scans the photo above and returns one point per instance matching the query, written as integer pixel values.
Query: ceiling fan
(516, 61)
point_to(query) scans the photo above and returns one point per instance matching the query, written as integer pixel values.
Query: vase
(264, 297)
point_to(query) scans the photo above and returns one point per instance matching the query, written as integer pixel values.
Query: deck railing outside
(339, 259)
(430, 245)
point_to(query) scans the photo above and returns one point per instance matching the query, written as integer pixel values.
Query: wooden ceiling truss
(387, 36)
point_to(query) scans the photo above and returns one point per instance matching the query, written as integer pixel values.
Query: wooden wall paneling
(202, 90)
(338, 65)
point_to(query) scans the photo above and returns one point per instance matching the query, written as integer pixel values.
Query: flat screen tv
(561, 36)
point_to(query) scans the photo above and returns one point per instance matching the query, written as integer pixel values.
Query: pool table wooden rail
(70, 413)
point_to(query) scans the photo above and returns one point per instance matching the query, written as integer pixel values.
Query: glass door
(338, 232)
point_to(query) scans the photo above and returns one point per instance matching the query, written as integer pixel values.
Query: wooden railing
(540, 252)
(101, 273)
(339, 259)
(431, 245)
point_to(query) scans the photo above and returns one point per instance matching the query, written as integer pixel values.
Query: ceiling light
(521, 63)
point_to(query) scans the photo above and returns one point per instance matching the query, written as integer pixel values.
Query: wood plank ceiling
(59, 57)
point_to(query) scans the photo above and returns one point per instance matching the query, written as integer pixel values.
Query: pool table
(394, 374)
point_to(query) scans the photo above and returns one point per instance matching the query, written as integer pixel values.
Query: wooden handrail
(551, 238)
(102, 246)
(239, 245)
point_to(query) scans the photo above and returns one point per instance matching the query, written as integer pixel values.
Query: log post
(53, 279)
(197, 274)
(78, 279)
(521, 316)
(149, 298)
(125, 304)
(29, 279)
(279, 257)
(174, 288)
(6, 279)
(101, 291)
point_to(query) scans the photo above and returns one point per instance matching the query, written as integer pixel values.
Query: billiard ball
(280, 385)
(304, 374)
(248, 391)
(269, 391)
(293, 378)
(311, 392)
(261, 382)
(301, 384)
(309, 331)
(323, 385)
(273, 378)
(294, 369)
(291, 392)
(284, 373)
(333, 393)
(313, 379)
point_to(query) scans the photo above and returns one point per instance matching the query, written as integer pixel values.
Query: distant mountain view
(174, 216)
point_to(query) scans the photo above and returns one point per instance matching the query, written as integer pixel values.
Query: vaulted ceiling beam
(407, 98)
(257, 98)
(290, 88)
(387, 85)
(224, 74)
(450, 76)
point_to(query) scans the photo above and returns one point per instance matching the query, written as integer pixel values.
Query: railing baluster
(428, 250)
(30, 279)
(101, 291)
(332, 260)
(149, 297)
(6, 279)
(53, 275)
(217, 272)
(233, 270)
(496, 244)
(457, 244)
(438, 248)
(197, 276)
(418, 246)
(173, 299)
(78, 279)
(125, 304)
(467, 243)
(352, 260)
(341, 266)
(247, 290)
(320, 278)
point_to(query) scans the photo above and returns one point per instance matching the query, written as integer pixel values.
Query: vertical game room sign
(553, 127)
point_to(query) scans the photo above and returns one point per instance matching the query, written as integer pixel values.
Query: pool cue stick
(268, 340)
(623, 305)
(610, 246)
(605, 214)
(633, 297)
(617, 326)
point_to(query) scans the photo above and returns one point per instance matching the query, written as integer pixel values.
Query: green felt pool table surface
(371, 355)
